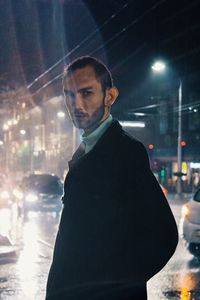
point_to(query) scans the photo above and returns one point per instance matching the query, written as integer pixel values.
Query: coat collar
(107, 142)
(109, 139)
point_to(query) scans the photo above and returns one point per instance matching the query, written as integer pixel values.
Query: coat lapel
(106, 147)
(76, 156)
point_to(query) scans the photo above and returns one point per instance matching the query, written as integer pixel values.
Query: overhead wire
(124, 29)
(184, 107)
(78, 45)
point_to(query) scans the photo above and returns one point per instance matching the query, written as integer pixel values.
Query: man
(116, 229)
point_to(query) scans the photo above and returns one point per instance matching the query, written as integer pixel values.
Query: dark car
(42, 192)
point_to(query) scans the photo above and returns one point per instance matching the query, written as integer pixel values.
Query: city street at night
(99, 121)
(24, 276)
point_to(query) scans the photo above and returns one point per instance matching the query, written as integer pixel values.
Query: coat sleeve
(153, 224)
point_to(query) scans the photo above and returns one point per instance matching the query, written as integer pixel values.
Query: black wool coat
(116, 229)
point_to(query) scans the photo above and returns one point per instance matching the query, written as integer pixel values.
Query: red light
(183, 143)
(151, 146)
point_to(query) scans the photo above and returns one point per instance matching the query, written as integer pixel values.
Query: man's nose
(78, 102)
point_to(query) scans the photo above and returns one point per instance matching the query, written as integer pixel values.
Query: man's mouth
(79, 116)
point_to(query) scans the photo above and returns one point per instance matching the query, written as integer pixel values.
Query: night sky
(127, 35)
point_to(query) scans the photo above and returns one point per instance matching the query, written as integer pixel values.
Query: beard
(89, 122)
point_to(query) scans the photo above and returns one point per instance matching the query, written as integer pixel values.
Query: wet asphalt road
(24, 277)
(180, 278)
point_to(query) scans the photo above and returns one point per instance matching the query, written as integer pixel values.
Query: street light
(5, 127)
(22, 132)
(179, 152)
(160, 67)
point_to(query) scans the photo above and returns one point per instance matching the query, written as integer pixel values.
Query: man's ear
(111, 96)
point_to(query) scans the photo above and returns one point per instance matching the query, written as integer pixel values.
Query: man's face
(84, 98)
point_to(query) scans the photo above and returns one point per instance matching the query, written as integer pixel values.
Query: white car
(190, 224)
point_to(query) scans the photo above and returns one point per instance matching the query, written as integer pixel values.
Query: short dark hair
(102, 73)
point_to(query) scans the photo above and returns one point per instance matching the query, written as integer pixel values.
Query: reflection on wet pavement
(26, 278)
(179, 280)
(28, 261)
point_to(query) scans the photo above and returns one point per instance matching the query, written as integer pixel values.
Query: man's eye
(86, 93)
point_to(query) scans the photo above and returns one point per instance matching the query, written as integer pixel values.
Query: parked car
(42, 192)
(190, 224)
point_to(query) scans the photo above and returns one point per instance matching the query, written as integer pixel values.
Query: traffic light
(162, 172)
(151, 146)
(183, 143)
(162, 175)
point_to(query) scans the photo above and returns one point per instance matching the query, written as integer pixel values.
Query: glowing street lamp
(9, 122)
(22, 132)
(160, 67)
(14, 122)
(5, 127)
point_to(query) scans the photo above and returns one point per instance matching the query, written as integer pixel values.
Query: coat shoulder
(133, 149)
(132, 142)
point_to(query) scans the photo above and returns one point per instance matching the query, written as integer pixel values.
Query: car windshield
(43, 184)
(197, 196)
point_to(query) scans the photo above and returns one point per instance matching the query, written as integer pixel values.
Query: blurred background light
(22, 132)
(158, 67)
(61, 114)
(132, 124)
(5, 127)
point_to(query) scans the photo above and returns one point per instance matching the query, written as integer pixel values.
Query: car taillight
(185, 211)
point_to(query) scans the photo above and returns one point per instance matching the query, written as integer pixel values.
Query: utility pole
(179, 150)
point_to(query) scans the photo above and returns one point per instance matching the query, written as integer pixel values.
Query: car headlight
(185, 211)
(19, 195)
(31, 198)
(5, 195)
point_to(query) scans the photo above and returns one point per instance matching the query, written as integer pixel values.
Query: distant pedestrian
(116, 229)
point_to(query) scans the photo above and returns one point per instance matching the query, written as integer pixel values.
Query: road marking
(45, 243)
